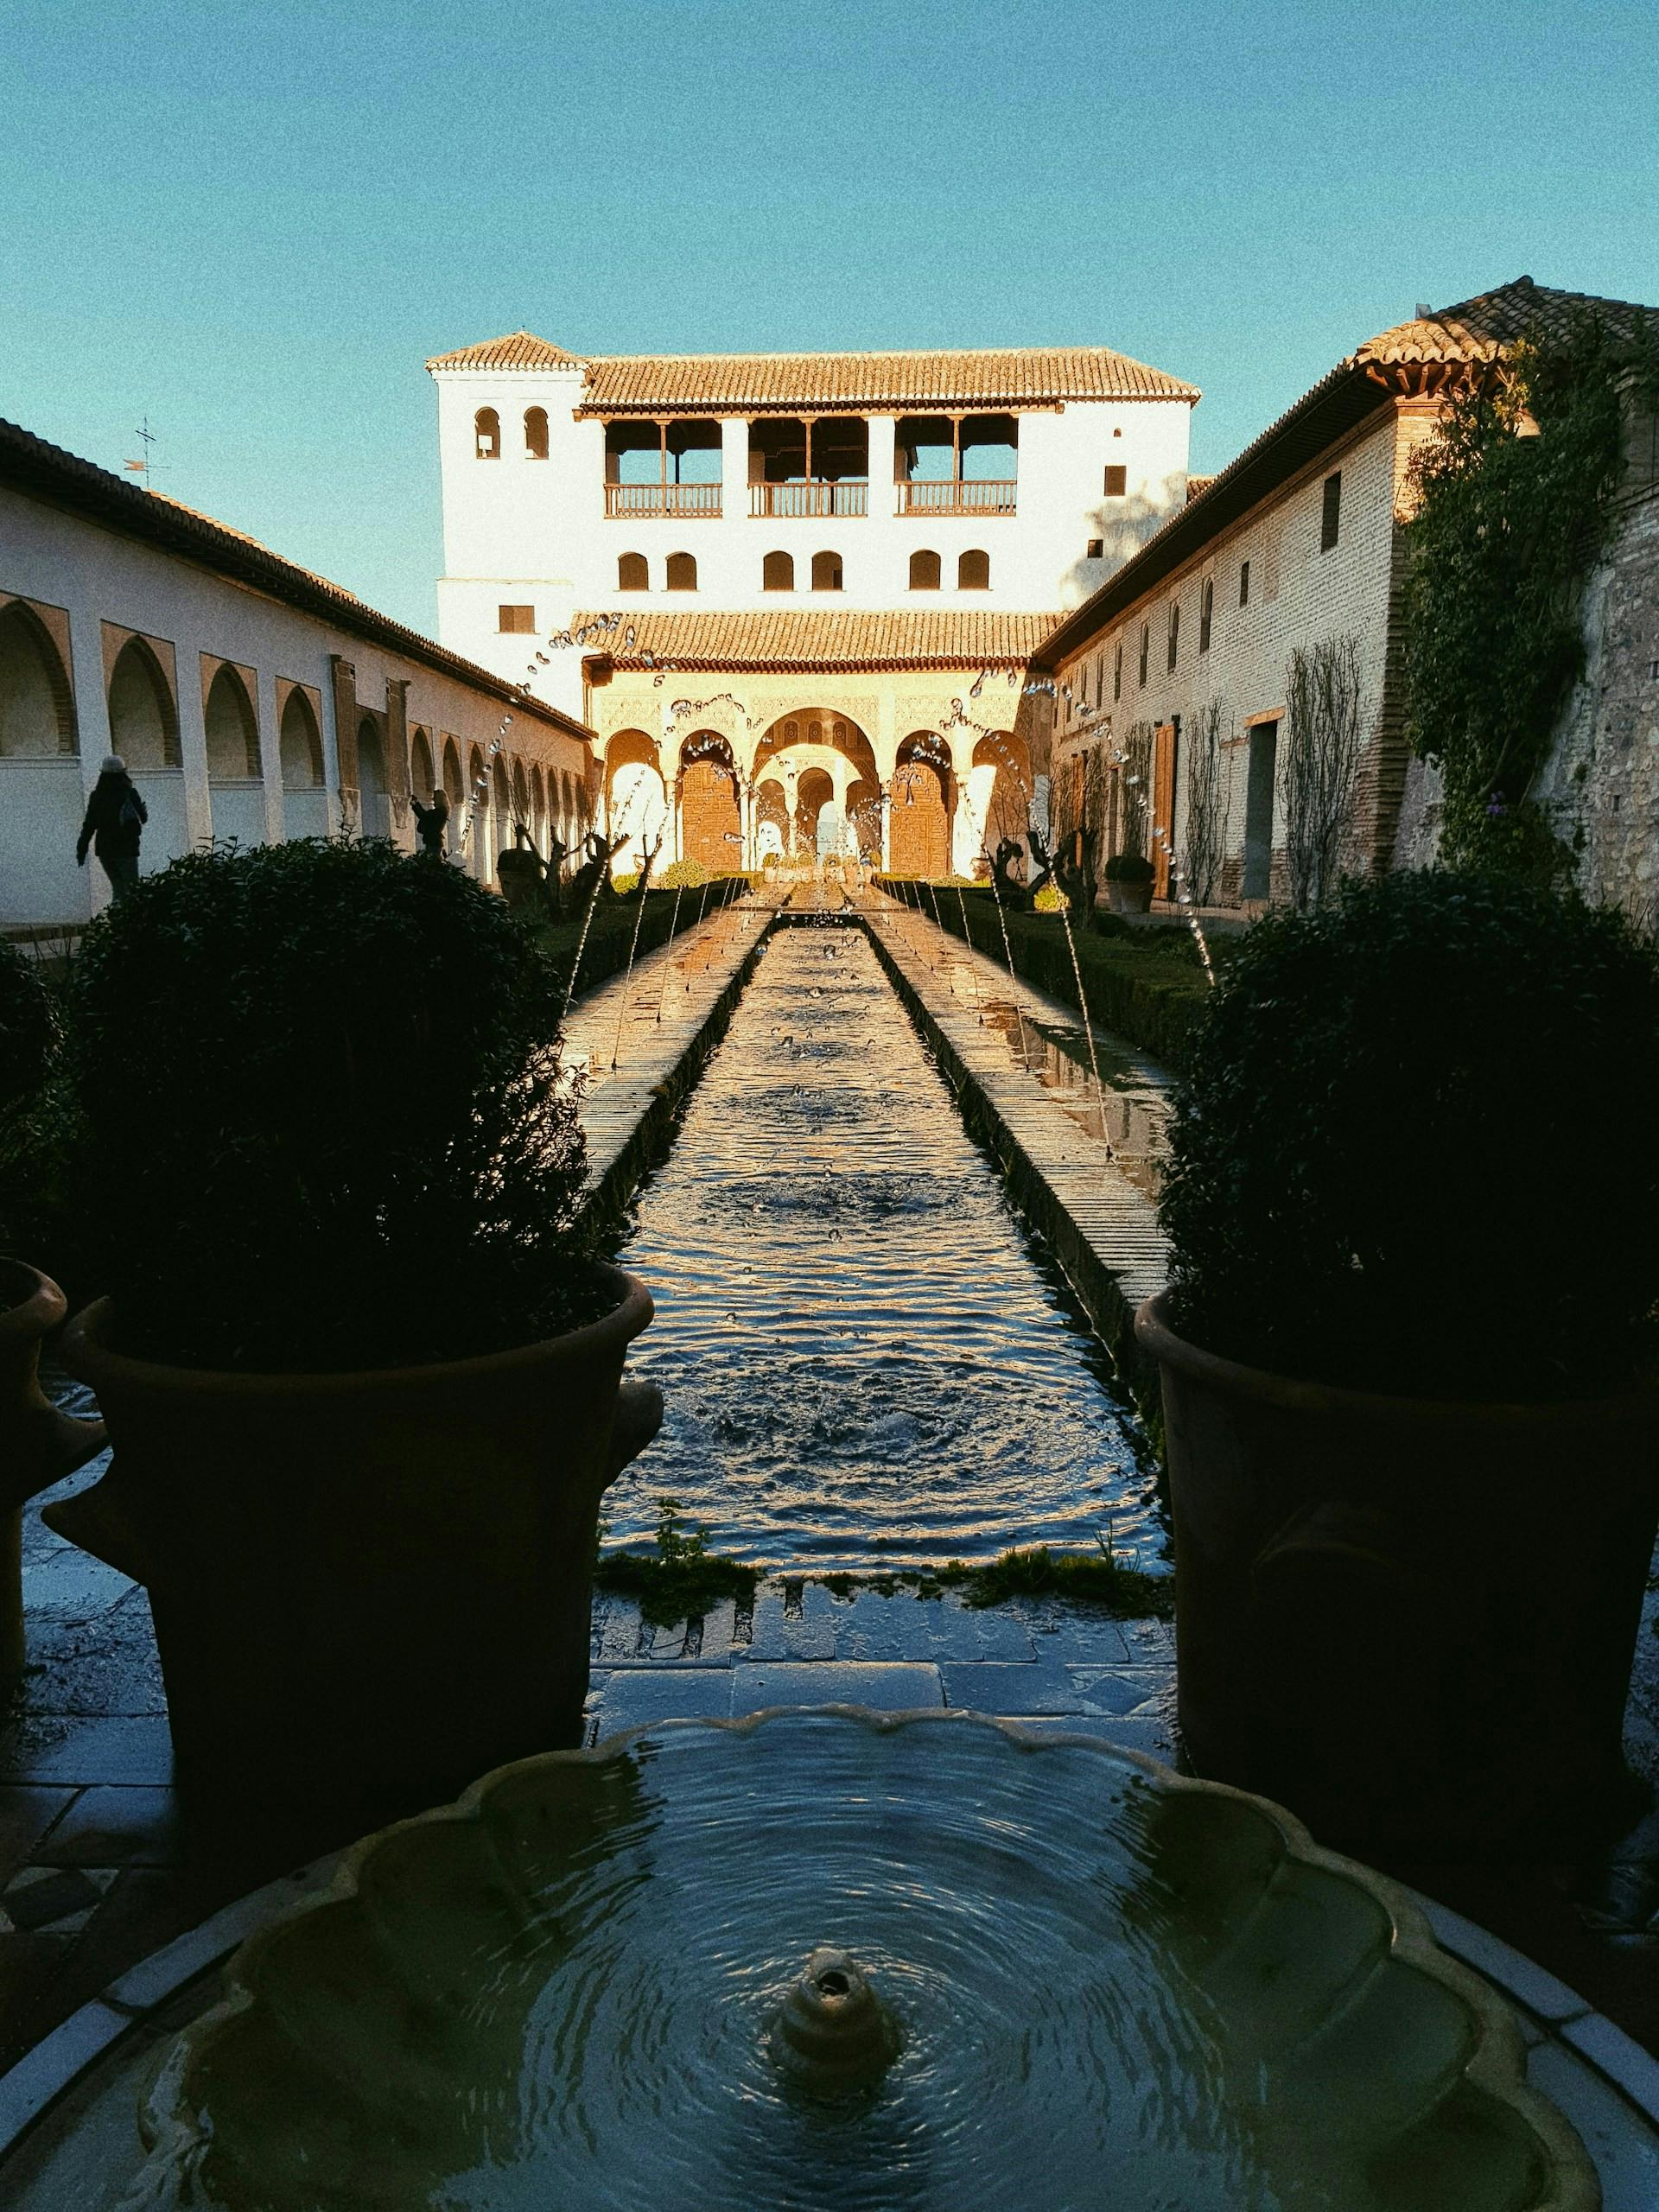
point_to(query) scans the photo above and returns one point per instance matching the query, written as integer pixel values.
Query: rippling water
(574, 2001)
(862, 1363)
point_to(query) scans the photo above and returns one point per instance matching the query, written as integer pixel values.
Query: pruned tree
(1209, 805)
(1319, 764)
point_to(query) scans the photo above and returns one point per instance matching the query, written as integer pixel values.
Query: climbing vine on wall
(1515, 498)
(1209, 803)
(1319, 766)
(1137, 787)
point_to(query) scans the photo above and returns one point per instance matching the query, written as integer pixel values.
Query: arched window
(232, 734)
(826, 572)
(535, 433)
(375, 808)
(973, 571)
(632, 573)
(420, 767)
(682, 572)
(36, 714)
(923, 572)
(143, 721)
(778, 572)
(300, 745)
(487, 435)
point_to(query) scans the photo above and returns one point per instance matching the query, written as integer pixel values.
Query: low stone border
(1103, 1232)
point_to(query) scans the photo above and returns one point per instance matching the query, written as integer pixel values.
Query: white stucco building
(249, 698)
(836, 546)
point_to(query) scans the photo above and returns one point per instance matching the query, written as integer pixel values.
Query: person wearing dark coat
(113, 826)
(430, 822)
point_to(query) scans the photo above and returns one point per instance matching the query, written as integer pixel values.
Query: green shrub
(1414, 1149)
(623, 884)
(31, 1119)
(28, 1031)
(1049, 901)
(682, 875)
(1128, 867)
(323, 1123)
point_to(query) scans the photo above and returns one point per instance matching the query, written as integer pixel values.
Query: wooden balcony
(683, 502)
(953, 497)
(794, 501)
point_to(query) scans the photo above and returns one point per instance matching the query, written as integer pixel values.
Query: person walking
(430, 821)
(113, 826)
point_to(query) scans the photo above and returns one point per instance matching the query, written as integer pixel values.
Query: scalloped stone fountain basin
(833, 1959)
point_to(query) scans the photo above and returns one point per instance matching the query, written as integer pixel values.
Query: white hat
(113, 765)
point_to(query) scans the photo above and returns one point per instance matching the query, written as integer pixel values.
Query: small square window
(522, 619)
(1243, 583)
(1096, 549)
(1117, 480)
(1331, 512)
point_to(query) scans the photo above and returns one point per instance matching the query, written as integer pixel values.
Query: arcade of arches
(726, 792)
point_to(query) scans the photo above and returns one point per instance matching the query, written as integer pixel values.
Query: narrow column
(886, 828)
(397, 761)
(883, 464)
(342, 696)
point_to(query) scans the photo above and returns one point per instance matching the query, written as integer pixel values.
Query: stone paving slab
(884, 1687)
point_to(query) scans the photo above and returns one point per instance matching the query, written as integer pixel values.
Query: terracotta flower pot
(1129, 898)
(1411, 1621)
(38, 1445)
(367, 1588)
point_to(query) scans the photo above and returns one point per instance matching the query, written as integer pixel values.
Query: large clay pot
(1127, 896)
(367, 1588)
(38, 1445)
(1411, 1621)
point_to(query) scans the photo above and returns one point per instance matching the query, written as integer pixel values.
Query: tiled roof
(1016, 376)
(1474, 330)
(519, 349)
(1195, 484)
(29, 465)
(1024, 376)
(923, 637)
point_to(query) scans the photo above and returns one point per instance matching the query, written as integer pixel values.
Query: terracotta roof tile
(929, 638)
(1017, 376)
(1476, 329)
(519, 349)
(1020, 376)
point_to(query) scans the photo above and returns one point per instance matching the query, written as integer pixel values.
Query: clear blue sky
(254, 222)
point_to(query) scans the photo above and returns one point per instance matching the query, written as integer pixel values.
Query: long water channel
(865, 1362)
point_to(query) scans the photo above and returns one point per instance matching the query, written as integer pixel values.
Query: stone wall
(1601, 781)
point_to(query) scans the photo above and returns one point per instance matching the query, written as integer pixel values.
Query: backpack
(128, 819)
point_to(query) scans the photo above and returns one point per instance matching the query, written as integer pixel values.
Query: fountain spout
(834, 2036)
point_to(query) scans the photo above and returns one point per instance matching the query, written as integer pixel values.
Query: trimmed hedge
(1147, 985)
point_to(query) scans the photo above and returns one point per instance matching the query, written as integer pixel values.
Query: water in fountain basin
(863, 1363)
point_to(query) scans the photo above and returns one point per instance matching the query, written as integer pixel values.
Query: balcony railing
(682, 500)
(952, 498)
(792, 500)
